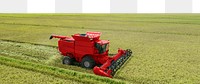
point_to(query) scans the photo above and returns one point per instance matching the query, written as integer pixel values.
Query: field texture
(21, 76)
(166, 47)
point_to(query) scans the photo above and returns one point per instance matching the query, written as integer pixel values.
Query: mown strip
(58, 72)
(28, 51)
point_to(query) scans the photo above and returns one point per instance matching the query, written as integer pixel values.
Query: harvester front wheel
(67, 60)
(87, 62)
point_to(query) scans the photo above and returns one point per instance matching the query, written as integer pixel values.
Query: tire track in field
(86, 17)
(137, 31)
(92, 18)
(28, 43)
(38, 25)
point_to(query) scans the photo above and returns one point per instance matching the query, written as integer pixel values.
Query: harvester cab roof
(102, 42)
(89, 36)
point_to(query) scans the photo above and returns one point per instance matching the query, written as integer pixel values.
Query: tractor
(88, 50)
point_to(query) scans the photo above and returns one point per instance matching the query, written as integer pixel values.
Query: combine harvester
(88, 50)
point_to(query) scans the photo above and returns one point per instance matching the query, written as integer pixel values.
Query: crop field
(21, 76)
(166, 47)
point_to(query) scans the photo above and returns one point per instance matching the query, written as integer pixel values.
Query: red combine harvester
(88, 50)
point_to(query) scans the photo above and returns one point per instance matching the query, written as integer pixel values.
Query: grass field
(166, 47)
(21, 76)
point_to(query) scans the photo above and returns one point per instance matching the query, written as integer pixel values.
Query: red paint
(80, 45)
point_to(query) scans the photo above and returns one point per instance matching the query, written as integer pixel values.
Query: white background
(68, 6)
(96, 6)
(123, 6)
(100, 6)
(41, 6)
(13, 6)
(178, 6)
(151, 6)
(196, 6)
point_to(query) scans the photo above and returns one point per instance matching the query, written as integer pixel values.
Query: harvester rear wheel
(67, 60)
(87, 62)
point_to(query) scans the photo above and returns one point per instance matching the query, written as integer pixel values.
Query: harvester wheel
(67, 60)
(87, 62)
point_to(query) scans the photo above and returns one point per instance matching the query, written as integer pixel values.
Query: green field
(21, 76)
(166, 47)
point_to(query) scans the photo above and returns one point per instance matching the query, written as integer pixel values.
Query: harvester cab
(88, 50)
